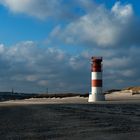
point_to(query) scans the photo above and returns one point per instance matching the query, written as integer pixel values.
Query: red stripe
(96, 83)
(96, 64)
(96, 69)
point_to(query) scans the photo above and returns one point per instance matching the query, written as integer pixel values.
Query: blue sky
(48, 44)
(19, 27)
(16, 27)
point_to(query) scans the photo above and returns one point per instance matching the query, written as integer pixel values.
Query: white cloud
(42, 9)
(43, 83)
(117, 62)
(32, 68)
(113, 34)
(16, 5)
(122, 12)
(1, 48)
(31, 78)
(92, 29)
(37, 8)
(28, 67)
(100, 27)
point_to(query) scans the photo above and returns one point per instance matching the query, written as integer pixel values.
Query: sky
(48, 44)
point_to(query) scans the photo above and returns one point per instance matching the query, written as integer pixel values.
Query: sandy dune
(115, 96)
(122, 95)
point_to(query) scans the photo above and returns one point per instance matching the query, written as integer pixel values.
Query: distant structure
(47, 90)
(12, 91)
(96, 80)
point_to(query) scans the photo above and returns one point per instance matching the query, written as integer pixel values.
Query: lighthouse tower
(96, 80)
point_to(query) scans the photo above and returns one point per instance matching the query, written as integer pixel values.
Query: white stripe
(96, 90)
(96, 75)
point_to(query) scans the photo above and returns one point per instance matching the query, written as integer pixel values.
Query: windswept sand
(71, 118)
(123, 96)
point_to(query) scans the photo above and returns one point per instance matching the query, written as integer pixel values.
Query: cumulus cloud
(89, 24)
(42, 9)
(1, 48)
(122, 12)
(28, 67)
(92, 29)
(121, 69)
(101, 27)
(37, 8)
(112, 33)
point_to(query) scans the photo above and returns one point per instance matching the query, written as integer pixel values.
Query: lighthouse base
(96, 95)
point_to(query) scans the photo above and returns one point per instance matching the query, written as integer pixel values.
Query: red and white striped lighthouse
(96, 80)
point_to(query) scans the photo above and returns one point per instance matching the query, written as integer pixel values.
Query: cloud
(88, 24)
(37, 8)
(1, 48)
(122, 12)
(101, 27)
(112, 33)
(27, 66)
(121, 69)
(43, 9)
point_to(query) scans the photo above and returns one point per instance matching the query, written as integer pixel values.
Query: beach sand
(72, 118)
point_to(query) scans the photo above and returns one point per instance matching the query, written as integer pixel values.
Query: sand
(124, 96)
(72, 118)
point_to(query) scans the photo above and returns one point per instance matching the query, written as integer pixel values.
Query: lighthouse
(96, 80)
